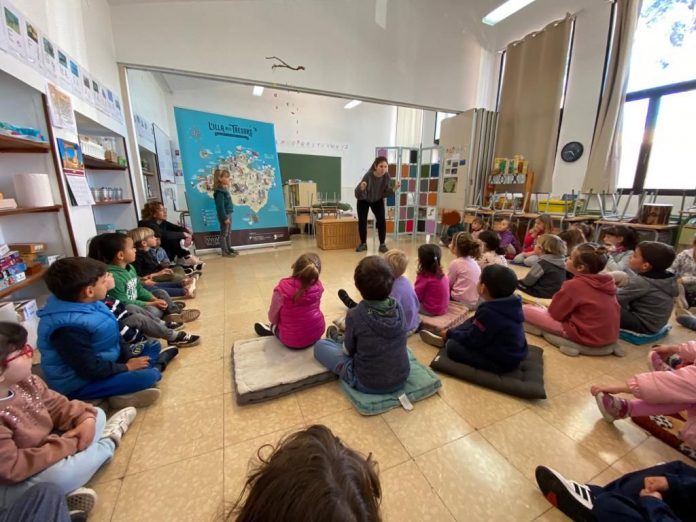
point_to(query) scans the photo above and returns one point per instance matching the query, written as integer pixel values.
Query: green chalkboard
(325, 171)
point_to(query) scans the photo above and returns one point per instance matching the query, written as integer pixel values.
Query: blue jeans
(125, 382)
(330, 353)
(172, 289)
(71, 472)
(44, 502)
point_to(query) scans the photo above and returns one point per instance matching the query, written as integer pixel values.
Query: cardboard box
(48, 259)
(28, 248)
(26, 310)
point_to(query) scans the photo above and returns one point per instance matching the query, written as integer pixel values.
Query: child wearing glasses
(44, 437)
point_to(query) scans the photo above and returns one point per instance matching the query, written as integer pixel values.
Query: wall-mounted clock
(572, 151)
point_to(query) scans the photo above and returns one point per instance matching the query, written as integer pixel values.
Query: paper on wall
(75, 77)
(87, 88)
(32, 45)
(61, 109)
(63, 73)
(12, 23)
(48, 58)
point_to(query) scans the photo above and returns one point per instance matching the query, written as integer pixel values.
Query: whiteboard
(164, 155)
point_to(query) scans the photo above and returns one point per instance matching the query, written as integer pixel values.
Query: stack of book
(12, 267)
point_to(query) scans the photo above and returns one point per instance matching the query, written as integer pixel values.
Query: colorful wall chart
(245, 148)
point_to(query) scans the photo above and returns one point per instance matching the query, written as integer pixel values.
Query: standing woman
(370, 193)
(154, 216)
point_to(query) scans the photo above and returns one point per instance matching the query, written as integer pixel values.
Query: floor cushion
(639, 338)
(667, 428)
(527, 381)
(530, 299)
(421, 383)
(456, 314)
(262, 369)
(571, 348)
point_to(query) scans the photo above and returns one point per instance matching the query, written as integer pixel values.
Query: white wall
(426, 54)
(149, 100)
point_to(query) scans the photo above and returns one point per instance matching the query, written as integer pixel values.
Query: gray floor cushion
(526, 382)
(571, 348)
(262, 369)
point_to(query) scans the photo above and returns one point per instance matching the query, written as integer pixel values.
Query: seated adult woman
(154, 216)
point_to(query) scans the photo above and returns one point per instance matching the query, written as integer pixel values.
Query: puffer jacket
(299, 321)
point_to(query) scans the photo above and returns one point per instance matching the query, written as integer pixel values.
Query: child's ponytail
(306, 268)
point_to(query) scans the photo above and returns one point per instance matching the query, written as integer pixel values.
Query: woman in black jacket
(370, 193)
(155, 217)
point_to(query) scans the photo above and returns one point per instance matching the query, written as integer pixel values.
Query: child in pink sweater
(464, 272)
(432, 285)
(660, 392)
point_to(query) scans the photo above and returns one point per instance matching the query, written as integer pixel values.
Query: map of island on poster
(247, 150)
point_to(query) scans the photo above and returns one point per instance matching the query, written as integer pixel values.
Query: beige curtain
(530, 100)
(409, 127)
(605, 153)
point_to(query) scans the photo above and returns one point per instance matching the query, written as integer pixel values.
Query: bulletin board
(164, 155)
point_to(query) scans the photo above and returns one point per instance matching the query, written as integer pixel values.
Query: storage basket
(335, 234)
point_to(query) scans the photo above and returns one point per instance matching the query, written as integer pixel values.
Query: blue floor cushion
(639, 338)
(527, 381)
(421, 383)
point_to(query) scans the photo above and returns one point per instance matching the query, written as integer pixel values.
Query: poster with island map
(247, 150)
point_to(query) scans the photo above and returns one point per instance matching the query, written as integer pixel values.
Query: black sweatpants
(377, 208)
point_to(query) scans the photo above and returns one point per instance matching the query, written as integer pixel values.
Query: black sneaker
(383, 248)
(165, 357)
(361, 247)
(333, 333)
(185, 340)
(573, 499)
(263, 330)
(173, 325)
(233, 252)
(345, 299)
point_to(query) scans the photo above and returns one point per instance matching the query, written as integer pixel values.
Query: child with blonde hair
(542, 225)
(402, 289)
(224, 209)
(464, 272)
(295, 315)
(549, 272)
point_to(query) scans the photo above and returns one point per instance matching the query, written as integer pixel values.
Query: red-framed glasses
(26, 350)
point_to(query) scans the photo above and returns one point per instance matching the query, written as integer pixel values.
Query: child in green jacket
(223, 207)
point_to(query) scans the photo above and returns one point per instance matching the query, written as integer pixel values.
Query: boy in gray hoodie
(548, 274)
(648, 297)
(371, 356)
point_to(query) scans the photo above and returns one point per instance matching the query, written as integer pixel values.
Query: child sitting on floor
(163, 260)
(542, 225)
(585, 309)
(295, 314)
(44, 437)
(492, 252)
(464, 272)
(508, 241)
(572, 238)
(375, 359)
(451, 224)
(621, 242)
(80, 342)
(432, 285)
(684, 267)
(648, 297)
(337, 482)
(476, 227)
(662, 391)
(493, 339)
(549, 271)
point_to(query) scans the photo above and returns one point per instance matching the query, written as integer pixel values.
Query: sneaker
(383, 248)
(173, 325)
(611, 407)
(191, 289)
(345, 299)
(198, 267)
(361, 247)
(688, 321)
(655, 362)
(333, 333)
(81, 499)
(227, 254)
(118, 425)
(173, 318)
(340, 323)
(432, 339)
(233, 252)
(165, 357)
(77, 516)
(185, 340)
(263, 330)
(573, 499)
(139, 399)
(184, 316)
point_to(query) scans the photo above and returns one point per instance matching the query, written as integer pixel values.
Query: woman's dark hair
(310, 476)
(104, 247)
(592, 256)
(629, 237)
(659, 255)
(150, 209)
(378, 160)
(373, 278)
(66, 277)
(499, 280)
(491, 240)
(13, 337)
(463, 245)
(307, 269)
(429, 258)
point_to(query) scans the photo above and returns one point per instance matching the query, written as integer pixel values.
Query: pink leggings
(540, 317)
(641, 408)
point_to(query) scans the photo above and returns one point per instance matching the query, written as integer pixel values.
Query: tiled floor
(465, 454)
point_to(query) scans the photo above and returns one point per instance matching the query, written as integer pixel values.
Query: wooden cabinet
(301, 194)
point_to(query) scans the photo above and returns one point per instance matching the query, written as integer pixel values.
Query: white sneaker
(139, 399)
(572, 498)
(81, 499)
(118, 424)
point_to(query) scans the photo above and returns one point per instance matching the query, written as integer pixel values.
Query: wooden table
(655, 229)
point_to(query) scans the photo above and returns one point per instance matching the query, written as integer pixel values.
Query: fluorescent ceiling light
(502, 12)
(351, 104)
(258, 90)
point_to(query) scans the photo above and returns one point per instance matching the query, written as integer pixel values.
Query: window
(659, 121)
(438, 122)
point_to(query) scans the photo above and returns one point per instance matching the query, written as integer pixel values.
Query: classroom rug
(666, 428)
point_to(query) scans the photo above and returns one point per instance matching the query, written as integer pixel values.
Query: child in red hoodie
(585, 309)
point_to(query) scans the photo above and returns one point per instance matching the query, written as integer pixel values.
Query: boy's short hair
(66, 277)
(13, 337)
(629, 237)
(140, 234)
(499, 280)
(374, 278)
(398, 261)
(659, 255)
(104, 247)
(552, 245)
